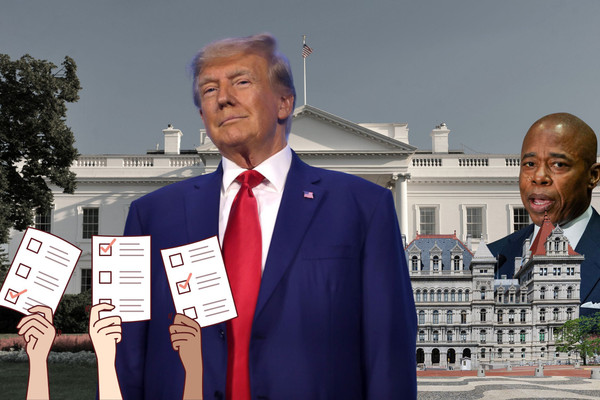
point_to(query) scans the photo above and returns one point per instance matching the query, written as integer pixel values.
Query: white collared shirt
(268, 193)
(574, 229)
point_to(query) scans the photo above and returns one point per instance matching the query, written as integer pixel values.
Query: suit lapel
(590, 268)
(294, 216)
(202, 207)
(513, 248)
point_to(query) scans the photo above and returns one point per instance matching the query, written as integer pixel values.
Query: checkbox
(105, 277)
(105, 249)
(105, 301)
(12, 296)
(23, 271)
(190, 312)
(176, 260)
(34, 245)
(184, 287)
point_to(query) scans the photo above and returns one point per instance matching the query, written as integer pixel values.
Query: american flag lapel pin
(308, 195)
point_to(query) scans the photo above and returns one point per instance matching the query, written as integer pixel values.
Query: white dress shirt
(574, 229)
(268, 193)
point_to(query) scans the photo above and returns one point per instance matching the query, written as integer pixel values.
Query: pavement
(558, 382)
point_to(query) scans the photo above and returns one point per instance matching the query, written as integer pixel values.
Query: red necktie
(242, 253)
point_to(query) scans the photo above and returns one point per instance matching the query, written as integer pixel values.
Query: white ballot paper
(198, 282)
(40, 271)
(121, 275)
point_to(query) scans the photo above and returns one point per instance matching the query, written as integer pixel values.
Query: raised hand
(105, 334)
(186, 339)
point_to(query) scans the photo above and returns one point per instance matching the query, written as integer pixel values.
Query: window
(446, 295)
(499, 337)
(522, 353)
(460, 295)
(421, 336)
(449, 336)
(482, 315)
(483, 352)
(499, 297)
(511, 337)
(482, 336)
(542, 293)
(431, 296)
(453, 296)
(511, 317)
(86, 279)
(467, 295)
(523, 315)
(483, 293)
(449, 317)
(520, 218)
(436, 263)
(463, 317)
(436, 317)
(427, 220)
(542, 335)
(463, 336)
(542, 315)
(569, 314)
(522, 336)
(555, 314)
(43, 220)
(556, 271)
(543, 271)
(456, 263)
(414, 262)
(570, 271)
(474, 221)
(439, 295)
(512, 353)
(417, 296)
(436, 336)
(569, 292)
(421, 317)
(500, 316)
(90, 223)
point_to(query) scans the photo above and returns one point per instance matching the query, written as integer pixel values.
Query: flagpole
(304, 60)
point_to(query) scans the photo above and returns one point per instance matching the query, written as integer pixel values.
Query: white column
(401, 187)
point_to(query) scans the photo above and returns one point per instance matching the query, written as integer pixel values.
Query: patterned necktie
(242, 253)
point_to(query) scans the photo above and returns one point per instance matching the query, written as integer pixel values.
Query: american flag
(308, 195)
(306, 50)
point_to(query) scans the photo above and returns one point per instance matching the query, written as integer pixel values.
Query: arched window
(569, 314)
(500, 316)
(414, 261)
(542, 293)
(432, 295)
(421, 317)
(460, 295)
(511, 337)
(542, 335)
(449, 317)
(542, 314)
(483, 293)
(522, 336)
(449, 336)
(482, 335)
(511, 317)
(453, 295)
(436, 336)
(439, 295)
(436, 317)
(556, 292)
(569, 292)
(555, 314)
(456, 262)
(446, 295)
(418, 296)
(467, 295)
(463, 317)
(523, 315)
(436, 263)
(421, 336)
(463, 336)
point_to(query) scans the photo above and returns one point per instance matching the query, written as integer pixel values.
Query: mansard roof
(538, 247)
(445, 243)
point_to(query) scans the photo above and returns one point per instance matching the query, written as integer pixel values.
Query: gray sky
(487, 68)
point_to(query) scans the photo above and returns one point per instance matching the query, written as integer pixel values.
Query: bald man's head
(558, 168)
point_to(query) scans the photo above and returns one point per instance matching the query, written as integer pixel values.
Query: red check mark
(185, 285)
(106, 249)
(14, 296)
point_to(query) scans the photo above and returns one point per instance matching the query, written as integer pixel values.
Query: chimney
(172, 140)
(439, 139)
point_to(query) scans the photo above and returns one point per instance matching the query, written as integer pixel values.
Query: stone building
(465, 312)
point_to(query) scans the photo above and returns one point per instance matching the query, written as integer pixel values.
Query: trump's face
(243, 114)
(554, 177)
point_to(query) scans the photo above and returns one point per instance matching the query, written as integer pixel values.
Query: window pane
(42, 220)
(90, 222)
(520, 218)
(86, 279)
(427, 221)
(475, 221)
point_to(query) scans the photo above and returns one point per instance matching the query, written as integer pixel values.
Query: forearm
(108, 382)
(37, 386)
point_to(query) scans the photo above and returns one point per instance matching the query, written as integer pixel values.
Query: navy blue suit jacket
(511, 246)
(335, 317)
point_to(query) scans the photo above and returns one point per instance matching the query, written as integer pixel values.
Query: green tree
(36, 145)
(580, 335)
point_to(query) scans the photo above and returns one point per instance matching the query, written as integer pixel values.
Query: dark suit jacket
(335, 317)
(511, 246)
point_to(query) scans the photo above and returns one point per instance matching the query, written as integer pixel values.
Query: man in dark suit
(558, 173)
(334, 316)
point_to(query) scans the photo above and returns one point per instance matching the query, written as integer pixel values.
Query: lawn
(67, 381)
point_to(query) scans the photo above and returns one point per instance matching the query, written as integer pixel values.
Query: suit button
(222, 334)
